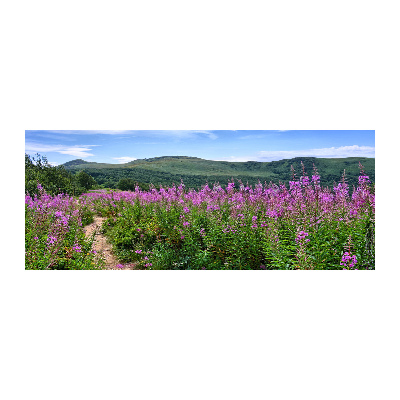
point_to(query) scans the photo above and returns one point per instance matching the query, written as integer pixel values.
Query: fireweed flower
(315, 179)
(301, 235)
(363, 179)
(51, 240)
(304, 180)
(119, 266)
(138, 251)
(77, 248)
(348, 260)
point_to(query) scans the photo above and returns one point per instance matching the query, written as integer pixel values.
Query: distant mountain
(196, 171)
(72, 163)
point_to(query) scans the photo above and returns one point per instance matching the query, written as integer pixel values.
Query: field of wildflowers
(269, 226)
(54, 237)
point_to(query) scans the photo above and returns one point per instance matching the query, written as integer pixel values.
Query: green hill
(196, 171)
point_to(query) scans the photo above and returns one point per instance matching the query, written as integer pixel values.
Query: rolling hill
(196, 171)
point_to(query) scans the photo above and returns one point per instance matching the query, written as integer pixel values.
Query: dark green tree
(84, 180)
(126, 184)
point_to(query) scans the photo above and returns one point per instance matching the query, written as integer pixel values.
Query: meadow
(268, 226)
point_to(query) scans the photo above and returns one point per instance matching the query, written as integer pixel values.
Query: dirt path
(102, 246)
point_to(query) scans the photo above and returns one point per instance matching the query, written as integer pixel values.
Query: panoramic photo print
(200, 200)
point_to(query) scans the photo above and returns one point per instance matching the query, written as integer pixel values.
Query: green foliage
(85, 180)
(54, 180)
(126, 184)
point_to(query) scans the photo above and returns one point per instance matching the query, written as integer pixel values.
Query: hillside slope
(196, 171)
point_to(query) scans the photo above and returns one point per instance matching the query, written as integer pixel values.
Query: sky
(119, 146)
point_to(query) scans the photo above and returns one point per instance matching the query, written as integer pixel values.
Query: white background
(194, 334)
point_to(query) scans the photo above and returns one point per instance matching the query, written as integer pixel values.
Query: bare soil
(102, 246)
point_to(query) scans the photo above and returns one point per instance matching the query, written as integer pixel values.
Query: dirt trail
(102, 246)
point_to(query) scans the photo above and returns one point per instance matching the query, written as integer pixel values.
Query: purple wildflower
(301, 235)
(348, 260)
(51, 240)
(77, 248)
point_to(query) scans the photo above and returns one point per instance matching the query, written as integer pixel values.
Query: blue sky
(124, 146)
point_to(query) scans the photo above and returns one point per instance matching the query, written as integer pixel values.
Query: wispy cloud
(81, 151)
(174, 134)
(82, 132)
(123, 160)
(179, 135)
(252, 137)
(210, 134)
(235, 159)
(171, 133)
(328, 152)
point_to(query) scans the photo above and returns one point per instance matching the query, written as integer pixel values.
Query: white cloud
(211, 135)
(53, 164)
(123, 160)
(235, 159)
(191, 134)
(178, 134)
(76, 151)
(327, 152)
